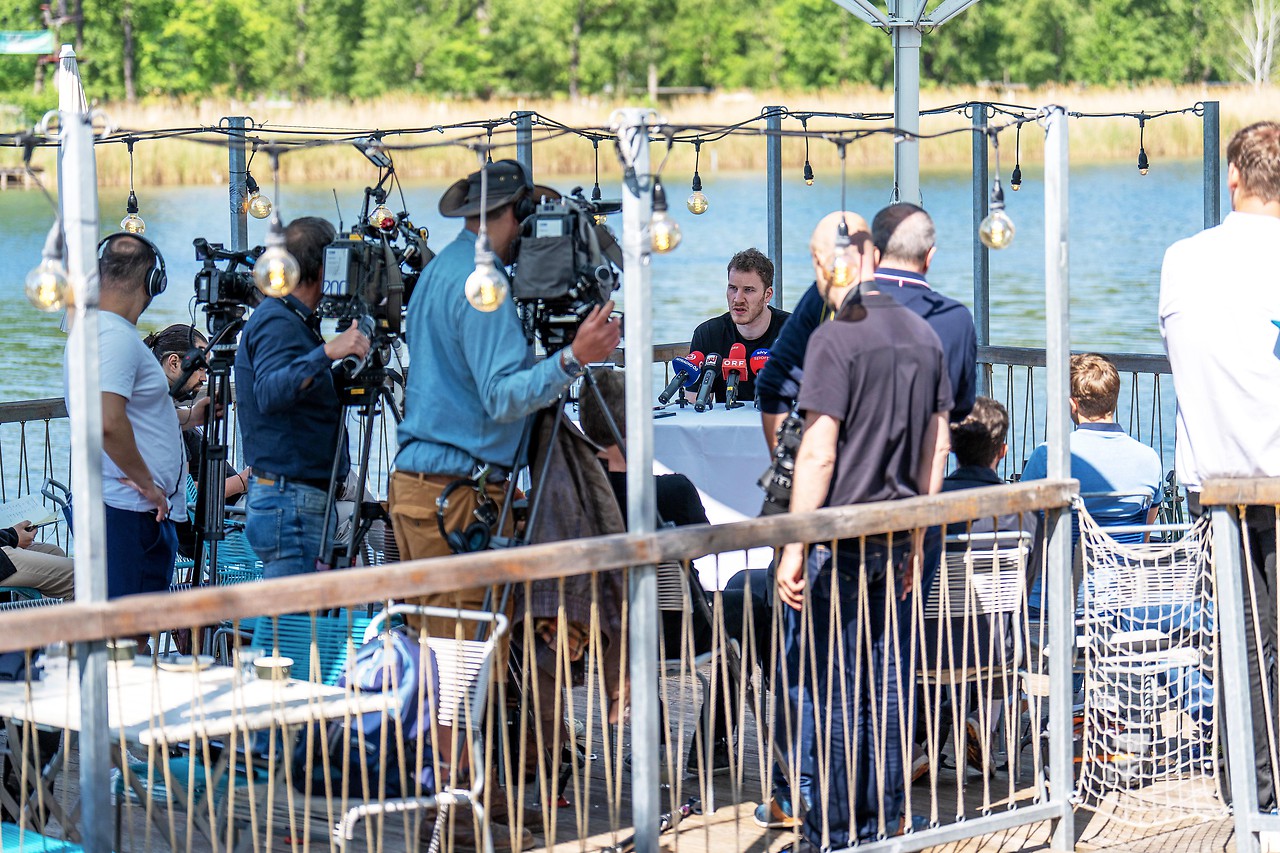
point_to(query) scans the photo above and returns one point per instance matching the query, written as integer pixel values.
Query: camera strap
(311, 321)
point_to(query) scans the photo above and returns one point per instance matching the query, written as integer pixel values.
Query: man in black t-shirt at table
(750, 320)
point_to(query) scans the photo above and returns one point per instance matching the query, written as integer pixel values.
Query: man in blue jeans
(290, 414)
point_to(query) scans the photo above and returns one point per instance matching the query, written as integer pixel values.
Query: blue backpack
(392, 662)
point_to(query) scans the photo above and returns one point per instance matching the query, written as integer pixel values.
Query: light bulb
(276, 271)
(485, 288)
(664, 232)
(841, 268)
(1143, 163)
(47, 286)
(259, 206)
(697, 203)
(808, 174)
(1015, 180)
(996, 230)
(133, 224)
(382, 218)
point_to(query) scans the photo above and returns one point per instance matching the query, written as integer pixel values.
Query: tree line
(478, 48)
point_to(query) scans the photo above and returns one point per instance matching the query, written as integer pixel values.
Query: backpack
(392, 661)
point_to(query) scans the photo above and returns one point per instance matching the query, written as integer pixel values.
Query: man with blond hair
(875, 399)
(1219, 312)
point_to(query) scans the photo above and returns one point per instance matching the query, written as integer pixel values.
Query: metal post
(1058, 569)
(1212, 166)
(524, 140)
(773, 193)
(906, 110)
(1228, 566)
(79, 203)
(637, 205)
(237, 168)
(981, 254)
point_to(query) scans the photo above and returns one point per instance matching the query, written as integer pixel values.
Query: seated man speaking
(750, 320)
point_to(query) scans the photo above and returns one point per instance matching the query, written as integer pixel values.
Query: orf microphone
(686, 374)
(709, 370)
(759, 359)
(734, 369)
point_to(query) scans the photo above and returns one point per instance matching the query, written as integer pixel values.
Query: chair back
(318, 645)
(981, 574)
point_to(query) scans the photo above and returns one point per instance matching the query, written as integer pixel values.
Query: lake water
(1121, 224)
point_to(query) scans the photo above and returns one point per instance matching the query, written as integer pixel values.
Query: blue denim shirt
(287, 429)
(472, 377)
(778, 385)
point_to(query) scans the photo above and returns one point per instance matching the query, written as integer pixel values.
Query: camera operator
(473, 379)
(290, 414)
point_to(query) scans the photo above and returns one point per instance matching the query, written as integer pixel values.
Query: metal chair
(14, 838)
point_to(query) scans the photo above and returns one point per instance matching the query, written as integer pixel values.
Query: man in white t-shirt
(1219, 312)
(144, 469)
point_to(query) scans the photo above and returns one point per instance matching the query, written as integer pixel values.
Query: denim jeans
(285, 526)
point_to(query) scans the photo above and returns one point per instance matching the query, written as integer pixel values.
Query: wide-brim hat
(507, 182)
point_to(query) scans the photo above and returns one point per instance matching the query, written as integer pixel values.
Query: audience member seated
(750, 320)
(41, 566)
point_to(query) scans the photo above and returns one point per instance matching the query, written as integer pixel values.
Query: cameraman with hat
(472, 379)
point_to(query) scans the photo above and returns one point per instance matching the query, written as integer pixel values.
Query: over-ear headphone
(157, 278)
(475, 536)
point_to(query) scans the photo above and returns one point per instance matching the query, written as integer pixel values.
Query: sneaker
(772, 814)
(973, 747)
(919, 765)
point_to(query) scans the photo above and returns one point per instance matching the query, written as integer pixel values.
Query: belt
(445, 479)
(266, 478)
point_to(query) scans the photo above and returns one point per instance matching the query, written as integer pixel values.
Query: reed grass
(184, 162)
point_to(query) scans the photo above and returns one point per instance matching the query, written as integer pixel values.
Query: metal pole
(637, 206)
(524, 140)
(773, 191)
(981, 254)
(84, 398)
(906, 111)
(1233, 647)
(1058, 522)
(237, 168)
(1212, 166)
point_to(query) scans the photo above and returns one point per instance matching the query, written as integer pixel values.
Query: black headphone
(475, 536)
(157, 278)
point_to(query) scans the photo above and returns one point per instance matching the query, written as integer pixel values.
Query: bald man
(875, 401)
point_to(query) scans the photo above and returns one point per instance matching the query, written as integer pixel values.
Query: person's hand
(790, 575)
(26, 534)
(198, 412)
(350, 342)
(154, 495)
(598, 335)
(914, 561)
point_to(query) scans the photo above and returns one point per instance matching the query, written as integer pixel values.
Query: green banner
(28, 41)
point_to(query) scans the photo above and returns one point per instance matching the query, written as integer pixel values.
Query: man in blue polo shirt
(289, 412)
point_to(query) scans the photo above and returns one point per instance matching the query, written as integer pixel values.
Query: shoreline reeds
(184, 162)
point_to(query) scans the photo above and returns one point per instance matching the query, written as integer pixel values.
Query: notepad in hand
(26, 508)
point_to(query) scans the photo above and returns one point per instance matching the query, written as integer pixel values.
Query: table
(149, 705)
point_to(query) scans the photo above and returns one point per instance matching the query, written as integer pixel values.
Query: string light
(808, 169)
(276, 272)
(382, 218)
(697, 202)
(485, 288)
(664, 232)
(132, 222)
(595, 187)
(842, 263)
(1143, 163)
(996, 229)
(1015, 180)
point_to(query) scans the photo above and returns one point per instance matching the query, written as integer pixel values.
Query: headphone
(476, 535)
(157, 278)
(523, 205)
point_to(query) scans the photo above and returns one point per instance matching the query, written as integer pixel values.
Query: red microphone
(759, 359)
(734, 370)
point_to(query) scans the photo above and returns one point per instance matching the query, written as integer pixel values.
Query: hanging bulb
(276, 272)
(255, 204)
(485, 288)
(841, 268)
(996, 229)
(47, 286)
(697, 202)
(1143, 163)
(664, 232)
(808, 174)
(132, 222)
(1015, 180)
(382, 218)
(595, 191)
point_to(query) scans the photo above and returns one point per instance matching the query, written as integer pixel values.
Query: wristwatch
(569, 363)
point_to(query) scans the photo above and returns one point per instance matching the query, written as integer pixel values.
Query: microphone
(734, 369)
(759, 359)
(686, 374)
(708, 379)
